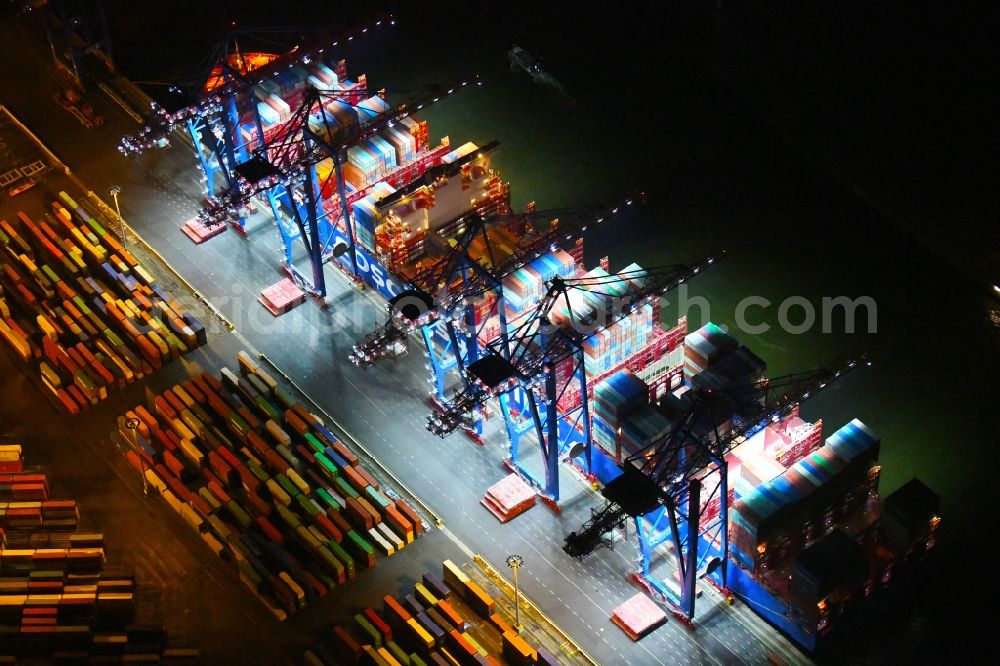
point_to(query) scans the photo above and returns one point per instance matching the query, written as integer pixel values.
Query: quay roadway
(383, 407)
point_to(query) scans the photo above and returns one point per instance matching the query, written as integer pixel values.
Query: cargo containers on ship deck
(777, 518)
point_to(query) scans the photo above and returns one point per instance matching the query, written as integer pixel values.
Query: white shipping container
(326, 74)
(280, 105)
(268, 115)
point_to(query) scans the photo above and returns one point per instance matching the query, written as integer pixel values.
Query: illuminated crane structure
(455, 300)
(305, 205)
(666, 486)
(218, 107)
(245, 157)
(536, 364)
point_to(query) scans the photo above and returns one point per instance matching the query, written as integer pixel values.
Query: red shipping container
(345, 453)
(366, 476)
(337, 518)
(358, 515)
(175, 402)
(347, 643)
(230, 457)
(194, 391)
(173, 464)
(216, 488)
(379, 624)
(211, 381)
(257, 443)
(257, 506)
(355, 479)
(410, 515)
(328, 528)
(269, 530)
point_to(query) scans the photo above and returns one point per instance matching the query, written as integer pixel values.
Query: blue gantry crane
(661, 486)
(210, 106)
(441, 300)
(284, 171)
(542, 358)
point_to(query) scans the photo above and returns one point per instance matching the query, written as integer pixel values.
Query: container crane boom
(198, 98)
(539, 343)
(666, 473)
(432, 292)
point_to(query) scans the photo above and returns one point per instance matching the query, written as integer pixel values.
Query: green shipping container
(287, 516)
(265, 406)
(398, 653)
(257, 470)
(238, 514)
(307, 506)
(367, 629)
(284, 398)
(237, 425)
(345, 488)
(314, 443)
(327, 466)
(286, 485)
(344, 557)
(361, 548)
(327, 498)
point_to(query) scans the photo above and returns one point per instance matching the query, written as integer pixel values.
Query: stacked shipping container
(433, 627)
(615, 398)
(704, 346)
(55, 595)
(263, 481)
(81, 310)
(780, 516)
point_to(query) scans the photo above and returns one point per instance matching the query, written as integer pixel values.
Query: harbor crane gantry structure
(284, 171)
(212, 102)
(441, 300)
(533, 366)
(243, 159)
(663, 486)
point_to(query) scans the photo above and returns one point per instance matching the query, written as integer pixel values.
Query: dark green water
(733, 142)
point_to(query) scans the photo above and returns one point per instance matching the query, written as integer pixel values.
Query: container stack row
(738, 367)
(615, 398)
(10, 458)
(441, 623)
(704, 346)
(621, 337)
(523, 288)
(58, 604)
(80, 310)
(276, 98)
(779, 517)
(266, 484)
(367, 217)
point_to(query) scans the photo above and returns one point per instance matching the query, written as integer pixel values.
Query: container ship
(811, 543)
